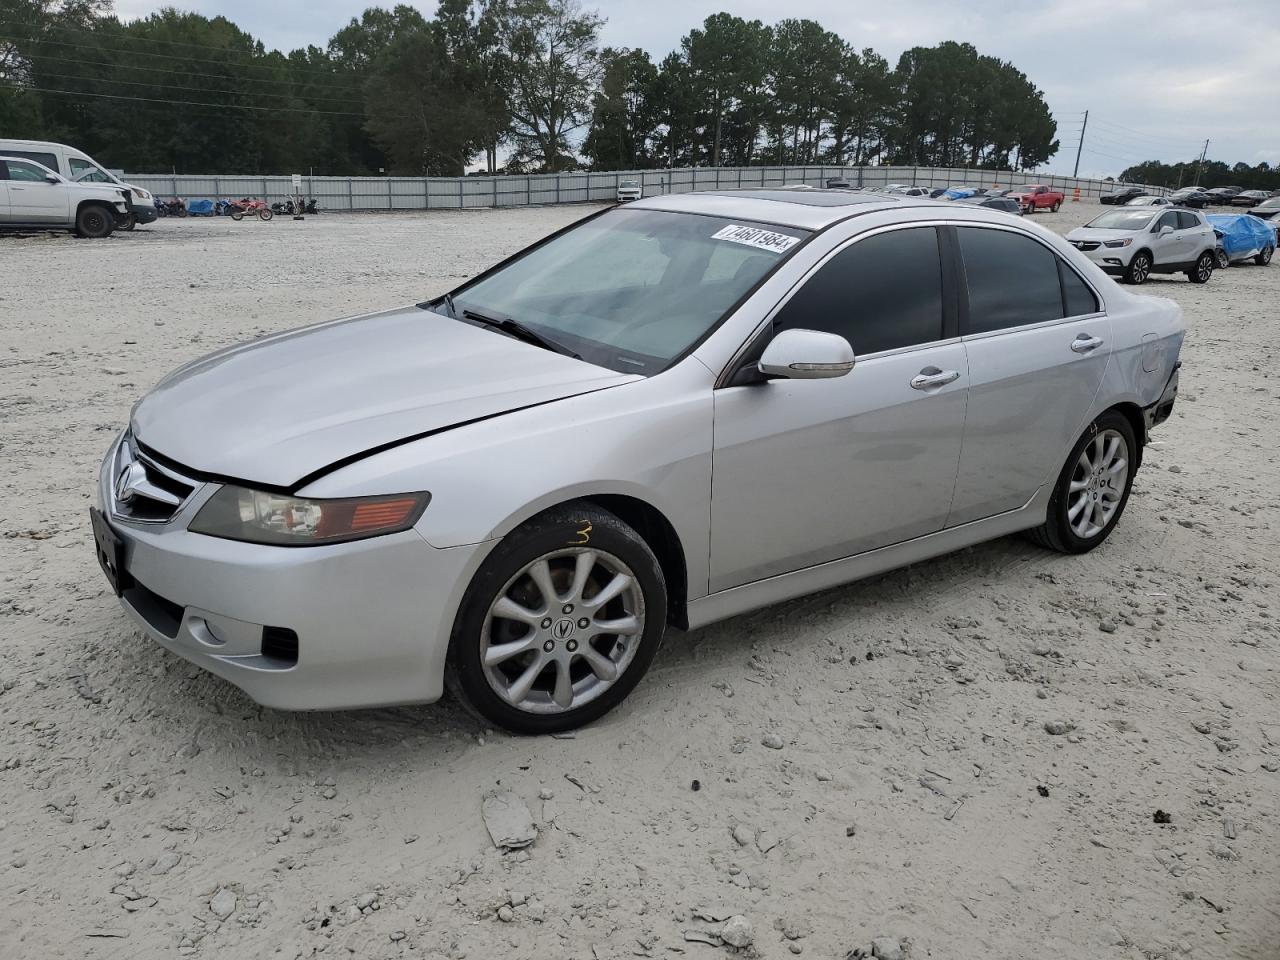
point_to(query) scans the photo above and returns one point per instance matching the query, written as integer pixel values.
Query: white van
(78, 167)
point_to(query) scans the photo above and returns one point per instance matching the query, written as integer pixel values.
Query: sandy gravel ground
(148, 810)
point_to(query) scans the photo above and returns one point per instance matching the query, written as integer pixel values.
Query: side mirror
(51, 178)
(1166, 230)
(806, 355)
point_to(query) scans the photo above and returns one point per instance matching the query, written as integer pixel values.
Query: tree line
(1211, 173)
(521, 85)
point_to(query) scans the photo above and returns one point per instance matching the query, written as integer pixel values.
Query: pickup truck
(1037, 197)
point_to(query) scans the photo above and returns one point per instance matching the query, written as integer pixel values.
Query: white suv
(1135, 242)
(33, 196)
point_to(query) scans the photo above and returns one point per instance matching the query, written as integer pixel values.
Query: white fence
(432, 193)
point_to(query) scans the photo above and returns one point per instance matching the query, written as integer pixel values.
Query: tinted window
(1168, 220)
(1080, 299)
(880, 293)
(26, 171)
(48, 159)
(1012, 279)
(1187, 221)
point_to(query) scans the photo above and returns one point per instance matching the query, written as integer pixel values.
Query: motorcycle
(289, 208)
(176, 207)
(247, 206)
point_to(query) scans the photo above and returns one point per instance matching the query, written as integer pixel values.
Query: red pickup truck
(1037, 197)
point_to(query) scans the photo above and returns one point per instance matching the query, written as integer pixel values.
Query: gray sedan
(668, 413)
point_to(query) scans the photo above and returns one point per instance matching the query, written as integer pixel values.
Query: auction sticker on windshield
(756, 237)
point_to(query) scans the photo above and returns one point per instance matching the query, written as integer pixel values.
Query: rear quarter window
(48, 159)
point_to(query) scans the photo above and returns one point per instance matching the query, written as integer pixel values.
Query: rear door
(1037, 345)
(32, 198)
(4, 192)
(1167, 248)
(1199, 234)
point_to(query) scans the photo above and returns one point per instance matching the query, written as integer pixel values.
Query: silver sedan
(668, 413)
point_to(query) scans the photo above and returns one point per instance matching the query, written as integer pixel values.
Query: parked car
(838, 183)
(1038, 197)
(901, 190)
(1250, 198)
(520, 484)
(78, 167)
(1005, 204)
(629, 190)
(1268, 209)
(1150, 202)
(1222, 195)
(33, 197)
(1194, 197)
(1242, 237)
(1134, 243)
(1122, 195)
(958, 193)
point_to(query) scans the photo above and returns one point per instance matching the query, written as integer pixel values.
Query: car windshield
(1122, 220)
(631, 289)
(1270, 204)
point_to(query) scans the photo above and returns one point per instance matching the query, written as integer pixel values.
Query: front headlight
(257, 516)
(1118, 243)
(141, 194)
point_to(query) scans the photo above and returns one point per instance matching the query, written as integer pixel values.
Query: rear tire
(545, 577)
(95, 222)
(1055, 207)
(1264, 257)
(1223, 261)
(1203, 269)
(265, 214)
(1093, 488)
(237, 214)
(1139, 268)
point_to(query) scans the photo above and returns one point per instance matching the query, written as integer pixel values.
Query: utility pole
(1200, 165)
(1080, 146)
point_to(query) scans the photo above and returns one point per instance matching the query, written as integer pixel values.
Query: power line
(146, 53)
(336, 83)
(237, 93)
(1138, 134)
(191, 103)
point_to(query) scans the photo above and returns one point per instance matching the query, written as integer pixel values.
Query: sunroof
(809, 198)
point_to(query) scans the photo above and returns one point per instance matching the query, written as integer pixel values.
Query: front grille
(144, 491)
(1086, 244)
(160, 612)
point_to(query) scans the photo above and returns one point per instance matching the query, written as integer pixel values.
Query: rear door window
(1079, 298)
(880, 293)
(1012, 280)
(1187, 221)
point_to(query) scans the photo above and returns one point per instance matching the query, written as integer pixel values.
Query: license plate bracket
(111, 552)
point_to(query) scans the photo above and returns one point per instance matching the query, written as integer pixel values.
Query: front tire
(237, 214)
(1139, 268)
(94, 222)
(1263, 258)
(560, 622)
(1055, 207)
(1203, 269)
(265, 214)
(1093, 487)
(1223, 260)
(130, 221)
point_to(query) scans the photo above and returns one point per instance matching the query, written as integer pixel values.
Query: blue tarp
(955, 193)
(200, 208)
(1242, 235)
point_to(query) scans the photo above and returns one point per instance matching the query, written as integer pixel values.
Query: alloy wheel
(1098, 484)
(1204, 267)
(562, 630)
(1140, 269)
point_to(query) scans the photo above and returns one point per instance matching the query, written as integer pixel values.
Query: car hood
(1099, 234)
(278, 410)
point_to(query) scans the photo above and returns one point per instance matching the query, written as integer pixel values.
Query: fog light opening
(281, 645)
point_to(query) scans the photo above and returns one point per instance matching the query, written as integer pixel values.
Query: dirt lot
(916, 796)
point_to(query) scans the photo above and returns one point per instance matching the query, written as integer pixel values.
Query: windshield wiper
(515, 328)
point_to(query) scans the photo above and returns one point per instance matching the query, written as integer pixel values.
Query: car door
(807, 471)
(32, 198)
(1199, 235)
(4, 193)
(1166, 248)
(1037, 344)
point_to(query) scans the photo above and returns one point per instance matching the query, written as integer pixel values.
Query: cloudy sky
(1158, 78)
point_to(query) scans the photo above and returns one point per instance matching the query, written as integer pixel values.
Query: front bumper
(144, 212)
(1114, 260)
(372, 618)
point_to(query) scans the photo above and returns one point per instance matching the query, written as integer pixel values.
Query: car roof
(806, 209)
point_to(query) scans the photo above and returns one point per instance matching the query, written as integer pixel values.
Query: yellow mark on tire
(584, 535)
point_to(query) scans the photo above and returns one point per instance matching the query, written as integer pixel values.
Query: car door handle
(931, 377)
(1085, 343)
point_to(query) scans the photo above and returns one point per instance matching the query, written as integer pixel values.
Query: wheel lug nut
(584, 623)
(546, 623)
(548, 646)
(568, 608)
(571, 646)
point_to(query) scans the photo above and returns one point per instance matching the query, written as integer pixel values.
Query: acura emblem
(563, 629)
(131, 478)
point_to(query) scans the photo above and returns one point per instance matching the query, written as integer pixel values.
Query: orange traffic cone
(1075, 197)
